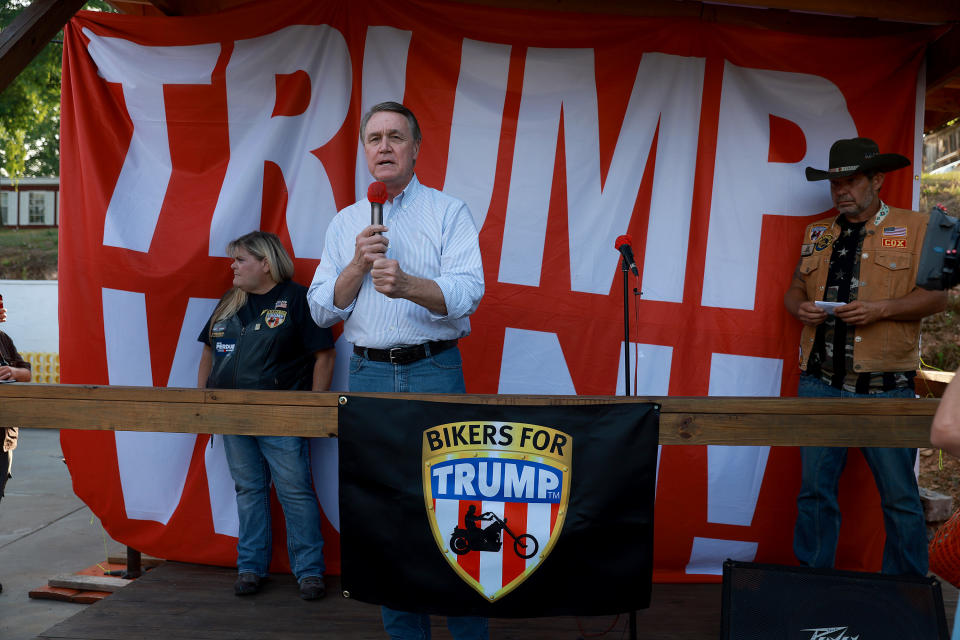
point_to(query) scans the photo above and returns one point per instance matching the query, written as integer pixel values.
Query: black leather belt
(405, 355)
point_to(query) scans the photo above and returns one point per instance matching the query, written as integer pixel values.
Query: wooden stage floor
(179, 601)
(186, 601)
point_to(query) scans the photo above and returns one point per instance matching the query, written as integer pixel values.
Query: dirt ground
(945, 480)
(940, 344)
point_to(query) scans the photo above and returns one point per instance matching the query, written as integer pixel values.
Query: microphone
(624, 245)
(377, 195)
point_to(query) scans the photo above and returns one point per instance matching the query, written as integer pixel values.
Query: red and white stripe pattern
(495, 571)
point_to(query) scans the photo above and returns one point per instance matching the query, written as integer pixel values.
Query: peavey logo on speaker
(831, 633)
(496, 495)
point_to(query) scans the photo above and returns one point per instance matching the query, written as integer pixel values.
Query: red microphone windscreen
(377, 192)
(623, 240)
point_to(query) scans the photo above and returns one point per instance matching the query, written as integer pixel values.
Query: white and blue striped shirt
(432, 235)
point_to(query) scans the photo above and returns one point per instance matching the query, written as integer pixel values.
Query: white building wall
(32, 319)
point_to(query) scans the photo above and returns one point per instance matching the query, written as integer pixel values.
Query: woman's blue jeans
(440, 373)
(254, 461)
(818, 513)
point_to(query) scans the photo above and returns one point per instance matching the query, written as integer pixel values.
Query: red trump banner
(561, 132)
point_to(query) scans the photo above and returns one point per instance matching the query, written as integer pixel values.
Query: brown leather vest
(888, 270)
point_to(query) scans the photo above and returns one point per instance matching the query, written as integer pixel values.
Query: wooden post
(30, 32)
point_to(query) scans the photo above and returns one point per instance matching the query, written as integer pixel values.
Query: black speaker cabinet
(767, 602)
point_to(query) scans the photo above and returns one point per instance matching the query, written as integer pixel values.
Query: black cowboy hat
(857, 155)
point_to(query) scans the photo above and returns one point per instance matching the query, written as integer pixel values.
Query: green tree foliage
(30, 106)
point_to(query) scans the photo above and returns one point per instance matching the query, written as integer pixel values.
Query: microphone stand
(626, 325)
(632, 622)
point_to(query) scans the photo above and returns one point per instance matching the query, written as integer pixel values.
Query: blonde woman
(261, 336)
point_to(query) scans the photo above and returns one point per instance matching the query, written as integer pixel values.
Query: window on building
(37, 207)
(5, 207)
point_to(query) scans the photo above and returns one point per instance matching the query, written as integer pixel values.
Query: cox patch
(896, 243)
(274, 317)
(496, 496)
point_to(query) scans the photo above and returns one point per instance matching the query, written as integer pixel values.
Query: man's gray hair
(393, 107)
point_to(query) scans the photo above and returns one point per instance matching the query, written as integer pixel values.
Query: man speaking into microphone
(404, 290)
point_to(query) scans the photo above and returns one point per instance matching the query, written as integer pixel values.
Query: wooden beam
(174, 7)
(83, 582)
(932, 384)
(29, 32)
(933, 120)
(945, 100)
(942, 106)
(167, 7)
(922, 11)
(918, 11)
(943, 60)
(714, 420)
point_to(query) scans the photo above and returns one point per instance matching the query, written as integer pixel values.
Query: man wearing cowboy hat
(855, 291)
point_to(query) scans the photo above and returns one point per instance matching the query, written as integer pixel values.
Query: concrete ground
(45, 530)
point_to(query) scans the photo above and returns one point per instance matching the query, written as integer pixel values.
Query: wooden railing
(710, 420)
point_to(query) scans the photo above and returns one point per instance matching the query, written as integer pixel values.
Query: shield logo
(496, 496)
(816, 232)
(274, 318)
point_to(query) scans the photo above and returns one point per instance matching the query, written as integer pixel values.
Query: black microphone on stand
(377, 195)
(624, 245)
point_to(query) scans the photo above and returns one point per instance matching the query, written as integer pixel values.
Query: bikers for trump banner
(504, 511)
(561, 131)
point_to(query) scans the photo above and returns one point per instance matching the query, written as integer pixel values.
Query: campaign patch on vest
(894, 232)
(824, 241)
(496, 496)
(274, 318)
(816, 232)
(896, 243)
(806, 250)
(216, 331)
(281, 304)
(224, 346)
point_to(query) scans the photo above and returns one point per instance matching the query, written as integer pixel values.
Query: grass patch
(28, 254)
(941, 188)
(940, 347)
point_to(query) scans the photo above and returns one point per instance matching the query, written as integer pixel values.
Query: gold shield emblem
(496, 497)
(274, 318)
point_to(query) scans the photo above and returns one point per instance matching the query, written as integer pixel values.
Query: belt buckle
(395, 355)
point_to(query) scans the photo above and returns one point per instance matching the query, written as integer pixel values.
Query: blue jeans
(253, 461)
(402, 625)
(440, 373)
(818, 513)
